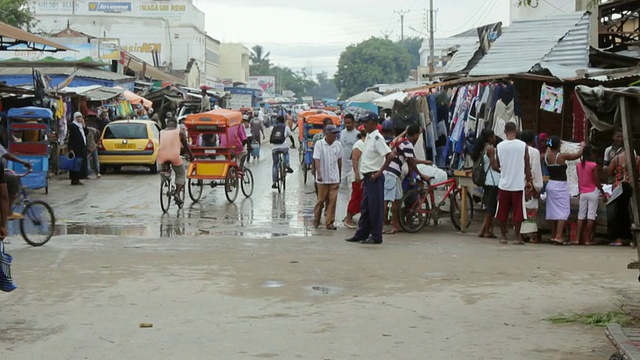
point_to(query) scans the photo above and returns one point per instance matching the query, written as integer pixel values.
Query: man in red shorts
(512, 161)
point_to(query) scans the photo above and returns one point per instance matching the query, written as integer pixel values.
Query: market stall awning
(364, 97)
(94, 92)
(387, 102)
(12, 38)
(137, 99)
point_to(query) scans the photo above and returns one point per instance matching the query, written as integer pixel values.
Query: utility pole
(431, 43)
(402, 13)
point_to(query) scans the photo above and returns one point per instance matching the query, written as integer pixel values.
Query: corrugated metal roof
(562, 40)
(13, 38)
(461, 58)
(80, 72)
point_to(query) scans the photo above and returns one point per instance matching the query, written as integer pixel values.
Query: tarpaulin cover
(30, 112)
(601, 107)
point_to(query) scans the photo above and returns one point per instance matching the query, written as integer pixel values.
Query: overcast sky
(313, 33)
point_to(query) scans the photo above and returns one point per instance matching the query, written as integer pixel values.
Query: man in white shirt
(376, 156)
(261, 113)
(512, 161)
(348, 137)
(327, 156)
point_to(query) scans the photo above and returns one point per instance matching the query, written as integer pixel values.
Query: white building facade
(212, 58)
(174, 30)
(234, 63)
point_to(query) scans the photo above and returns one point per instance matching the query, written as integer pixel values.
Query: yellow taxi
(129, 142)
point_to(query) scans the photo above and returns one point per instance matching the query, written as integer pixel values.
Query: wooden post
(627, 131)
(463, 209)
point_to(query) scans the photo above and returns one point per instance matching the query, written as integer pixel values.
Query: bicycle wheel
(414, 211)
(165, 194)
(305, 169)
(182, 195)
(283, 175)
(231, 185)
(455, 201)
(247, 183)
(195, 190)
(38, 223)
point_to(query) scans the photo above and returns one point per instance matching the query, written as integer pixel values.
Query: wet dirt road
(252, 280)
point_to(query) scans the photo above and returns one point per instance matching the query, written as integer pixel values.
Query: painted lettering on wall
(143, 48)
(162, 7)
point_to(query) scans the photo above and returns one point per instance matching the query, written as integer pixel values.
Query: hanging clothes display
(551, 98)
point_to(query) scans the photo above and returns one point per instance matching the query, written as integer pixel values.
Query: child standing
(590, 190)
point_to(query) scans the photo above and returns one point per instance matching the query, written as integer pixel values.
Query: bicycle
(419, 206)
(168, 191)
(38, 221)
(282, 174)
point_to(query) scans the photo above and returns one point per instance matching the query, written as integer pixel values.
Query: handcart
(29, 130)
(217, 165)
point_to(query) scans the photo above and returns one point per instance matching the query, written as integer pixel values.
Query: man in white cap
(78, 144)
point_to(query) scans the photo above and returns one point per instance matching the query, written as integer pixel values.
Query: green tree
(325, 87)
(17, 13)
(260, 62)
(373, 61)
(412, 45)
(288, 79)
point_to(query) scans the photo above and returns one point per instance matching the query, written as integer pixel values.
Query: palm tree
(260, 63)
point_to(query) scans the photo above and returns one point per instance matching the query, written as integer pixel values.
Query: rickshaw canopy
(218, 118)
(30, 112)
(318, 119)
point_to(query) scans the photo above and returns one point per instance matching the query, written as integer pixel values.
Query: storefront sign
(143, 48)
(162, 7)
(52, 6)
(110, 6)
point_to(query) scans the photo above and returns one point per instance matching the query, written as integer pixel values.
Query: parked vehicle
(129, 142)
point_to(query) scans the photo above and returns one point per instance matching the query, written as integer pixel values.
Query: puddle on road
(169, 231)
(272, 284)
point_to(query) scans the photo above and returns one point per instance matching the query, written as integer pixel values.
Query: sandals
(504, 241)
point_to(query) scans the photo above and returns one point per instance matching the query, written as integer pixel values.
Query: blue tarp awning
(30, 112)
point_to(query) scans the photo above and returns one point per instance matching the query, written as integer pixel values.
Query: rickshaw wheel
(247, 183)
(231, 185)
(195, 190)
(616, 356)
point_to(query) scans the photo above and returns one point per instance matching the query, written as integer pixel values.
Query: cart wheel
(616, 356)
(247, 183)
(195, 189)
(231, 185)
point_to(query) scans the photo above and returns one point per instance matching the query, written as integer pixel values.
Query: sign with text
(110, 6)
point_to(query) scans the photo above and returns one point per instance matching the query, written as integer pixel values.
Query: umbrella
(388, 101)
(366, 96)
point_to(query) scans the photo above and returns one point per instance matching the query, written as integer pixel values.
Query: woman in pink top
(590, 191)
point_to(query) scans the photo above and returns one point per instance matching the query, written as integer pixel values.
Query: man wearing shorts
(172, 141)
(512, 161)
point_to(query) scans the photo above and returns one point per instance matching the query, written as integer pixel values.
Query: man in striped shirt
(327, 159)
(405, 153)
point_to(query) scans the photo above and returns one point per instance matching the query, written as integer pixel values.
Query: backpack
(277, 135)
(478, 174)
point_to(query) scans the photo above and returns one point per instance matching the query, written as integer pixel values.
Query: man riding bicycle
(172, 141)
(279, 145)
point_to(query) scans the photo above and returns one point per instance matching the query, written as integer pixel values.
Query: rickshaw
(310, 124)
(217, 165)
(28, 130)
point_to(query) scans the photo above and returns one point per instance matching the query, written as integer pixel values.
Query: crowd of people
(514, 185)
